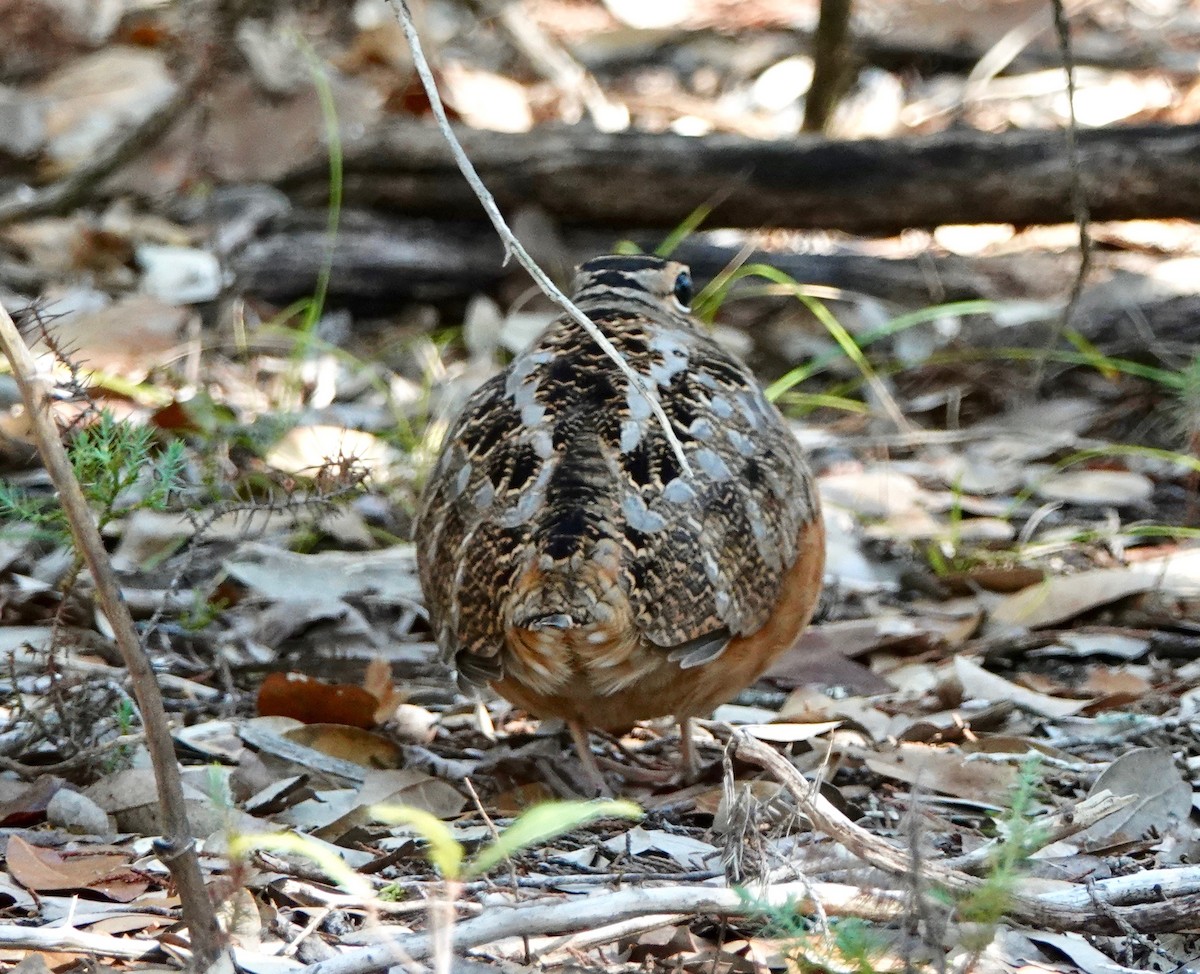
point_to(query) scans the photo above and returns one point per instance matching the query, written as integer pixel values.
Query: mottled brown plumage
(567, 558)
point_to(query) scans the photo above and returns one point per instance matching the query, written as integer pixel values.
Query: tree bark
(868, 187)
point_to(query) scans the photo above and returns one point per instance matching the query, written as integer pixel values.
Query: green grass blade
(689, 226)
(835, 328)
(445, 851)
(898, 324)
(544, 822)
(333, 137)
(289, 842)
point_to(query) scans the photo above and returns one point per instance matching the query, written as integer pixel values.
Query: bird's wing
(471, 526)
(709, 551)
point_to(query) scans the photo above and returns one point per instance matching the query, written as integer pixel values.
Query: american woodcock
(567, 557)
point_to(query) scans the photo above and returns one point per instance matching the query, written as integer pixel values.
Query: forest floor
(998, 702)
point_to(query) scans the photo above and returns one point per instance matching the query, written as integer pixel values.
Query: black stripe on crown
(606, 277)
(629, 263)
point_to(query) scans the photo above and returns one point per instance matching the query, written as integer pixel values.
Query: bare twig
(176, 848)
(518, 948)
(514, 248)
(495, 832)
(1001, 54)
(1061, 825)
(201, 525)
(1157, 900)
(553, 62)
(599, 879)
(1143, 726)
(72, 941)
(87, 758)
(1079, 200)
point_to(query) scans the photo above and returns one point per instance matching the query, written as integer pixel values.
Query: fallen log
(872, 186)
(375, 261)
(380, 262)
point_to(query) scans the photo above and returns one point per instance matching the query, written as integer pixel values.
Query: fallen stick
(1095, 908)
(593, 912)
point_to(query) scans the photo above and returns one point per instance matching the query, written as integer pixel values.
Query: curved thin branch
(513, 247)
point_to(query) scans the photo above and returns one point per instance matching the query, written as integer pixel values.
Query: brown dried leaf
(47, 870)
(416, 789)
(992, 579)
(129, 337)
(946, 771)
(29, 807)
(1113, 688)
(348, 744)
(313, 701)
(515, 800)
(827, 669)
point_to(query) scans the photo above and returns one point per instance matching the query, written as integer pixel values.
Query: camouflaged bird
(567, 558)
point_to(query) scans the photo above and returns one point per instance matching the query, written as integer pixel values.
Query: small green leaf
(445, 851)
(543, 822)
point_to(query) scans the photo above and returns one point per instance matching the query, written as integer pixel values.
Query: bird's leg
(688, 749)
(591, 769)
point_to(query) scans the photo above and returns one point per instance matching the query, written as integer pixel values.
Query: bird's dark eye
(683, 289)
